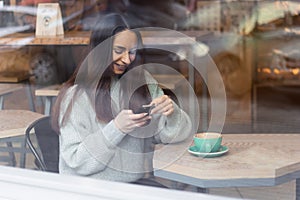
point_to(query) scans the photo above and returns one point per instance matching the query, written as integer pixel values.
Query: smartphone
(145, 109)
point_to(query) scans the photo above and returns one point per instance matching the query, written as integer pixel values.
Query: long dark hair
(99, 62)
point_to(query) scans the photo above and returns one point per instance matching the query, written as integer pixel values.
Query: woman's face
(124, 50)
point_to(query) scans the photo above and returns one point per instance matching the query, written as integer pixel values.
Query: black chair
(43, 142)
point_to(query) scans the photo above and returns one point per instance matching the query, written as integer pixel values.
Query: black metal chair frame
(40, 161)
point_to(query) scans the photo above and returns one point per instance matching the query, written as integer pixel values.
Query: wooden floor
(280, 192)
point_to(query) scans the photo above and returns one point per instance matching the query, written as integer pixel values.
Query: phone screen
(145, 109)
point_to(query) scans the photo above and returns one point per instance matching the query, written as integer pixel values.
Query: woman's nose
(126, 58)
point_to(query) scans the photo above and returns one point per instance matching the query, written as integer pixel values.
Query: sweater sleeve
(86, 146)
(174, 128)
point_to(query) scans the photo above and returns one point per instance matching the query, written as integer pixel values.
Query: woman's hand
(163, 105)
(126, 121)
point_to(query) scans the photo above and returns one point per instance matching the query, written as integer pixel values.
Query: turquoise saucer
(222, 150)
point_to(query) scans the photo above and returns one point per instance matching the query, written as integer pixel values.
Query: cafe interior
(232, 65)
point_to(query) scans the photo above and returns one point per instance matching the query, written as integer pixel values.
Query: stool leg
(30, 97)
(11, 154)
(48, 105)
(1, 102)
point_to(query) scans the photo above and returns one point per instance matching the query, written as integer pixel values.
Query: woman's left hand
(163, 105)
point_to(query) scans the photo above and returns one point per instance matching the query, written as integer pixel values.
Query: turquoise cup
(208, 142)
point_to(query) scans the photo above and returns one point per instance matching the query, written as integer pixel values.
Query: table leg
(11, 154)
(254, 108)
(23, 154)
(30, 97)
(298, 189)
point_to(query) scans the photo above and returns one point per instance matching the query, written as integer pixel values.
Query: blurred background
(254, 43)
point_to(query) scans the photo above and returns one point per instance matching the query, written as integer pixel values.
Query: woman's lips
(119, 67)
(123, 67)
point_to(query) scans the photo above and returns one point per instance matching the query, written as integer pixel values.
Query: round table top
(14, 122)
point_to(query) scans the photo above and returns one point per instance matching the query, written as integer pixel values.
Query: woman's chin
(118, 72)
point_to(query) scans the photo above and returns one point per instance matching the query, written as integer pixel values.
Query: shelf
(13, 77)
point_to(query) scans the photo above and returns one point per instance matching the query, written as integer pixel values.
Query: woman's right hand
(126, 121)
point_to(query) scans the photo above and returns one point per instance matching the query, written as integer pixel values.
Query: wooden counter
(83, 38)
(70, 38)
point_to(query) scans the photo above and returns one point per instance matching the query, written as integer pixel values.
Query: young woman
(102, 133)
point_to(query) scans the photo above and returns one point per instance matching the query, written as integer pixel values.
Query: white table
(13, 124)
(253, 160)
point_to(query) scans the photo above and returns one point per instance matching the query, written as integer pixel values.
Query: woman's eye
(118, 50)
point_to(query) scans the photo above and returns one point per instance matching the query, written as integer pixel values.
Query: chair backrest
(46, 147)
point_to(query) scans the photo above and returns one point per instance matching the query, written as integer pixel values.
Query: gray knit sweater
(89, 147)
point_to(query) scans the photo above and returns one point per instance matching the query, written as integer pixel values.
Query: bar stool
(49, 93)
(6, 89)
(12, 81)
